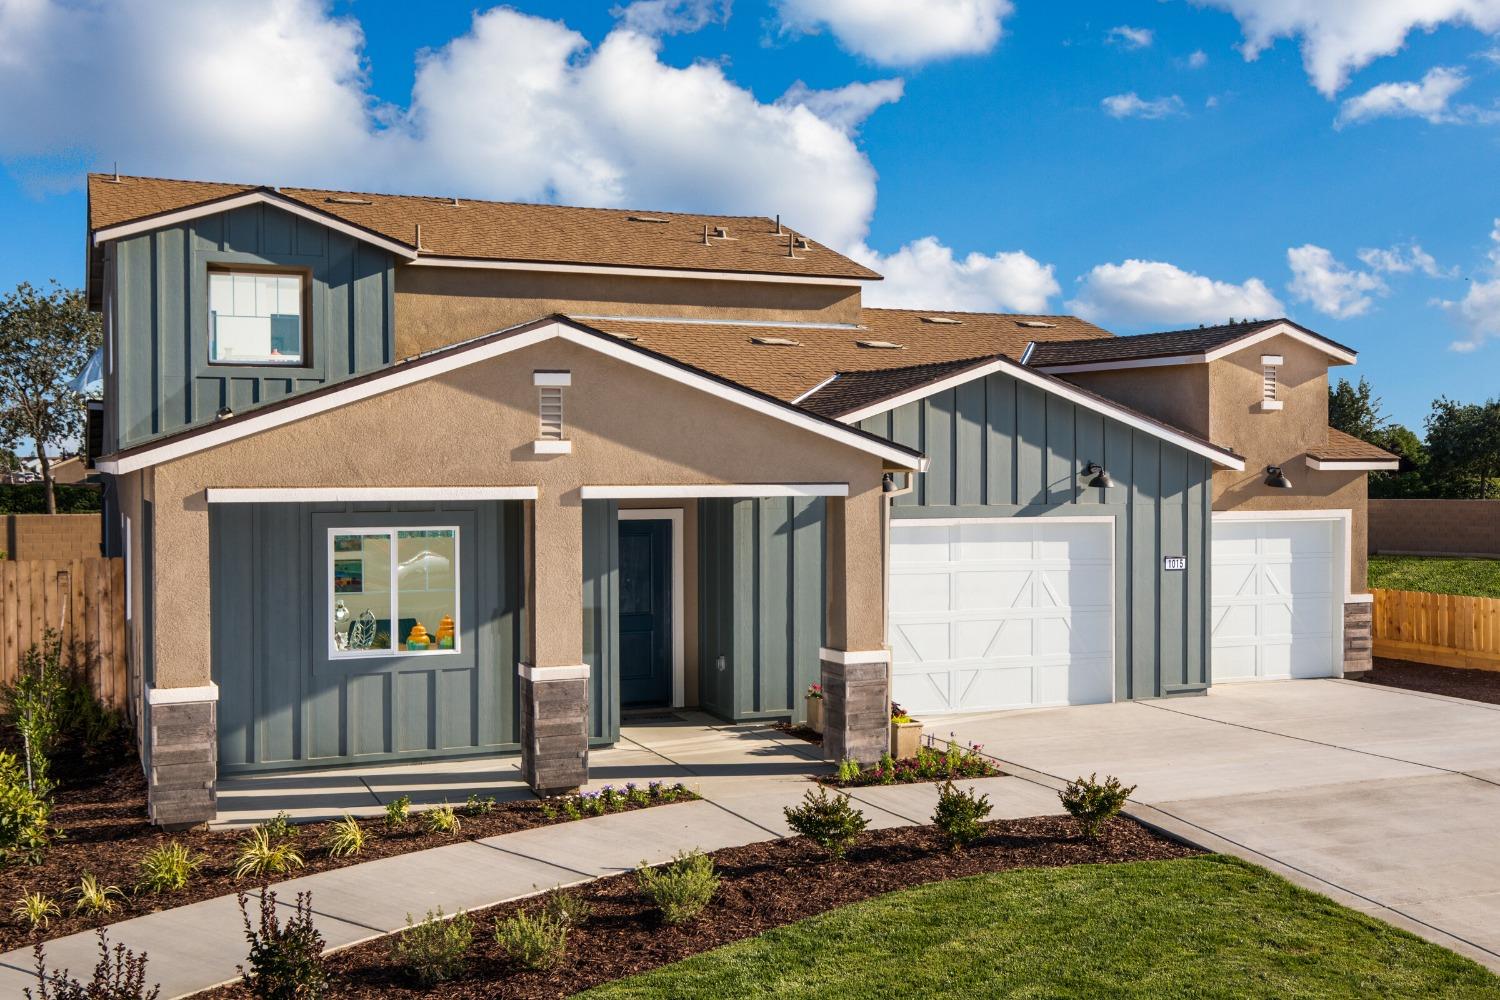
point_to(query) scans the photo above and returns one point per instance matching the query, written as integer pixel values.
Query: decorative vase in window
(418, 638)
(362, 631)
(445, 633)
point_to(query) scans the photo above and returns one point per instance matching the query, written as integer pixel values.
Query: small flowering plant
(953, 761)
(815, 692)
(610, 799)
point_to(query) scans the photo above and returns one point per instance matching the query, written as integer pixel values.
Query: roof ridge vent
(944, 320)
(881, 345)
(646, 218)
(344, 199)
(1036, 324)
(776, 341)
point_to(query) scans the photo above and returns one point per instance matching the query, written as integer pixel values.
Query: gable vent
(945, 320)
(348, 201)
(776, 341)
(550, 405)
(883, 345)
(1035, 324)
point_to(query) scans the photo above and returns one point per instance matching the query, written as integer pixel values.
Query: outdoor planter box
(906, 737)
(815, 715)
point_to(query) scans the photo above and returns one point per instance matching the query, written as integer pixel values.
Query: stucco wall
(1457, 527)
(1177, 394)
(475, 426)
(436, 306)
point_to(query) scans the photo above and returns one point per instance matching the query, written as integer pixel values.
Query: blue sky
(1148, 178)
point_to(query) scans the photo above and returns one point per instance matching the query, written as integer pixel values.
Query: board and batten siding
(158, 373)
(999, 447)
(601, 617)
(761, 605)
(285, 703)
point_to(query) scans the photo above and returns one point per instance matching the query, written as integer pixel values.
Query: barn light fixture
(888, 482)
(1275, 479)
(1100, 478)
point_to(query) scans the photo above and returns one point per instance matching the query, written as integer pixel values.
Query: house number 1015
(1174, 562)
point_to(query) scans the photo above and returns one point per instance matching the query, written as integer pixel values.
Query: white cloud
(1197, 60)
(1132, 105)
(900, 32)
(517, 107)
(1403, 259)
(1333, 288)
(1341, 36)
(1427, 99)
(671, 17)
(847, 106)
(1130, 38)
(1150, 292)
(1479, 310)
(924, 274)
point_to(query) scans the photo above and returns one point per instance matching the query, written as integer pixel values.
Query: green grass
(1208, 927)
(1435, 575)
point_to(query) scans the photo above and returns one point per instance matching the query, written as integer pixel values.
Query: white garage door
(991, 614)
(1276, 599)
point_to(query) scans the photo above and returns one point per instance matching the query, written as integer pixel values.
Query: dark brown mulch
(101, 807)
(800, 731)
(763, 886)
(1476, 685)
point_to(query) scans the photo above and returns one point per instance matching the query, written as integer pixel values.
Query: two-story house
(399, 478)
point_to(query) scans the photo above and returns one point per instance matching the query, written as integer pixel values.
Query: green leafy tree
(1463, 444)
(1415, 479)
(46, 338)
(1355, 409)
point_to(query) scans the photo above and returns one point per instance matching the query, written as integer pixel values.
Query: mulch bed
(101, 807)
(800, 731)
(763, 886)
(1476, 685)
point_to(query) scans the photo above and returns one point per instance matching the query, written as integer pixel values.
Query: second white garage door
(1276, 598)
(991, 614)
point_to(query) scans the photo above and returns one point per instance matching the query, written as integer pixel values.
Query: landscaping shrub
(82, 717)
(168, 868)
(952, 763)
(286, 959)
(31, 498)
(397, 812)
(24, 814)
(435, 950)
(960, 815)
(833, 823)
(682, 887)
(477, 806)
(441, 820)
(345, 838)
(120, 974)
(848, 771)
(532, 941)
(37, 909)
(33, 704)
(1093, 804)
(610, 799)
(262, 855)
(278, 827)
(93, 897)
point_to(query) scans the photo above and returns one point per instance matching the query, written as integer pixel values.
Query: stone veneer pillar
(1359, 639)
(554, 728)
(182, 761)
(856, 705)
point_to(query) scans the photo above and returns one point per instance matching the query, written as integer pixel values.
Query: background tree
(1463, 444)
(1355, 409)
(46, 338)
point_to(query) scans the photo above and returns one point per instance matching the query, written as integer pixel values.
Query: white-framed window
(393, 591)
(257, 317)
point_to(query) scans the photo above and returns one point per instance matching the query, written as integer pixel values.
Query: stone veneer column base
(856, 705)
(554, 728)
(183, 759)
(1359, 638)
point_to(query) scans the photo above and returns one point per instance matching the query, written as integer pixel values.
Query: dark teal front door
(645, 613)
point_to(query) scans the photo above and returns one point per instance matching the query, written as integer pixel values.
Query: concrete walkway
(746, 775)
(1386, 800)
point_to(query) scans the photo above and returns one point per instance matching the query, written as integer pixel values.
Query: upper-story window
(257, 317)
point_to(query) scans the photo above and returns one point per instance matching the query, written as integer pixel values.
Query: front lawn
(1209, 926)
(1436, 575)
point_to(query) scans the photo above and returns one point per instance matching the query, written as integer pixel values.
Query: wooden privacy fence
(1441, 629)
(84, 599)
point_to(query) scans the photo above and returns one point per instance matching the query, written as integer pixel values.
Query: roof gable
(1176, 347)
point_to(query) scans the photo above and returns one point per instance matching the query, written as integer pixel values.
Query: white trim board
(843, 656)
(1335, 465)
(454, 358)
(102, 236)
(714, 491)
(181, 695)
(353, 494)
(1339, 354)
(1056, 388)
(679, 593)
(637, 272)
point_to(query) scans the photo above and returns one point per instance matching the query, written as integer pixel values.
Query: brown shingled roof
(509, 231)
(1343, 447)
(850, 391)
(1168, 344)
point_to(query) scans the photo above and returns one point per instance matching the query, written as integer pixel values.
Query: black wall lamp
(1275, 479)
(1100, 478)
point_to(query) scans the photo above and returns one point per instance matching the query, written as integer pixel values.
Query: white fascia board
(362, 494)
(815, 389)
(857, 656)
(181, 695)
(125, 229)
(714, 491)
(1282, 330)
(540, 675)
(1055, 388)
(1334, 465)
(422, 369)
(1110, 366)
(639, 272)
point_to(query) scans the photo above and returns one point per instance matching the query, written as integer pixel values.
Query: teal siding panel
(937, 484)
(969, 453)
(1031, 445)
(1088, 437)
(601, 617)
(775, 556)
(906, 429)
(1000, 442)
(1062, 463)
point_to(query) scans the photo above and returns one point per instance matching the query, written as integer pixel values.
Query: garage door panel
(990, 639)
(919, 544)
(996, 687)
(992, 589)
(920, 593)
(1082, 632)
(991, 542)
(1079, 588)
(1232, 579)
(1081, 682)
(924, 642)
(1234, 663)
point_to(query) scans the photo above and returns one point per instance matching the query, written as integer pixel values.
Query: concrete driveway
(1386, 800)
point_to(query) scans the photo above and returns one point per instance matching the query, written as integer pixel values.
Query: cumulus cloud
(517, 107)
(1130, 38)
(1150, 292)
(1403, 259)
(1331, 287)
(1341, 36)
(1197, 59)
(1427, 99)
(900, 32)
(845, 107)
(1478, 312)
(926, 274)
(1132, 105)
(671, 17)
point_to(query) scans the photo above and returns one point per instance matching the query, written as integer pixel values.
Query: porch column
(554, 679)
(855, 663)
